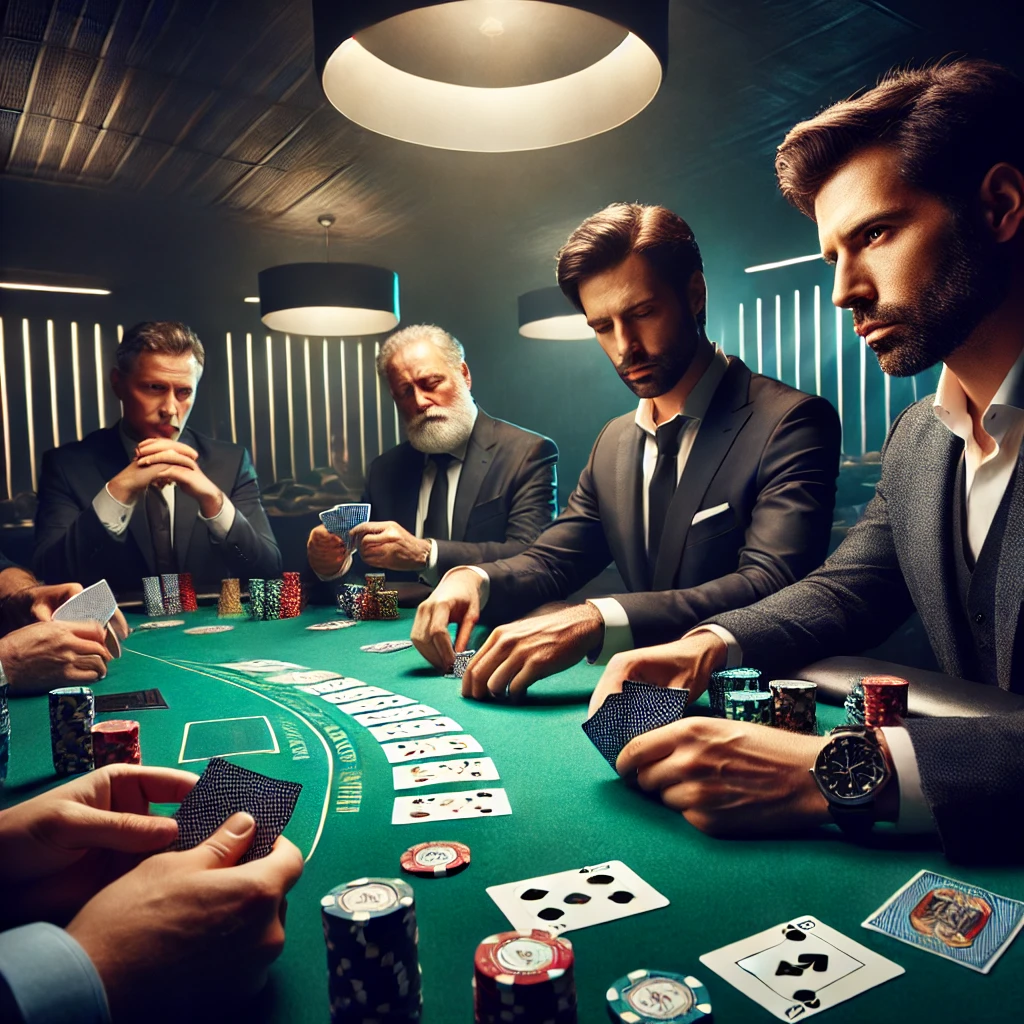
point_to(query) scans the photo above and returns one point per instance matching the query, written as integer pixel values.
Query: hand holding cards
(639, 708)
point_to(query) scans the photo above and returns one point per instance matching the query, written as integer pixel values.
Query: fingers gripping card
(226, 788)
(96, 603)
(340, 519)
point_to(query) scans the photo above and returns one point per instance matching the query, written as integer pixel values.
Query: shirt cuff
(343, 571)
(618, 636)
(734, 653)
(220, 524)
(430, 574)
(485, 589)
(32, 957)
(114, 515)
(915, 817)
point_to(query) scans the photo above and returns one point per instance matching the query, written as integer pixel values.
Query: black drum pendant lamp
(329, 299)
(490, 76)
(547, 313)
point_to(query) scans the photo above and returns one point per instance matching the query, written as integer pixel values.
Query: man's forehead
(418, 358)
(161, 365)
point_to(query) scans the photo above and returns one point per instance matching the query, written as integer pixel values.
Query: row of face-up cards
(94, 604)
(425, 747)
(639, 708)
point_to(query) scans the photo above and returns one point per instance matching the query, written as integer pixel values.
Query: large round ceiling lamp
(490, 76)
(546, 313)
(329, 299)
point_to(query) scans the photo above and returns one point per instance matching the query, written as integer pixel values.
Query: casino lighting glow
(18, 286)
(490, 76)
(782, 263)
(251, 298)
(548, 315)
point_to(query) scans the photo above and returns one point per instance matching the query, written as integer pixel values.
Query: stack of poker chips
(116, 742)
(187, 590)
(749, 706)
(71, 715)
(273, 590)
(658, 996)
(794, 705)
(885, 700)
(350, 600)
(524, 976)
(172, 593)
(371, 595)
(854, 705)
(5, 731)
(258, 599)
(731, 679)
(153, 595)
(229, 604)
(372, 959)
(291, 595)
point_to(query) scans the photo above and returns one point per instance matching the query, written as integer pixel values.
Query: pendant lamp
(547, 313)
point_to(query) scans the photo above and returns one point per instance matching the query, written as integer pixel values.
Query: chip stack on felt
(727, 679)
(187, 590)
(885, 700)
(273, 590)
(172, 593)
(116, 741)
(794, 705)
(229, 604)
(153, 595)
(71, 718)
(854, 705)
(257, 599)
(749, 706)
(291, 595)
(387, 604)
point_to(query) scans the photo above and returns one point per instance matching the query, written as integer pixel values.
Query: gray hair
(450, 346)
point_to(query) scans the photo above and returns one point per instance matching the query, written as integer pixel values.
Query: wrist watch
(851, 770)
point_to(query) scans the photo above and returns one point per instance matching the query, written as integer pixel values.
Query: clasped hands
(160, 461)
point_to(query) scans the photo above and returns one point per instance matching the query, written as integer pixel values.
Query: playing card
(800, 968)
(160, 624)
(257, 666)
(333, 685)
(304, 677)
(203, 630)
(604, 728)
(360, 707)
(435, 773)
(963, 923)
(96, 603)
(226, 788)
(135, 700)
(356, 693)
(405, 730)
(647, 707)
(439, 746)
(332, 625)
(113, 641)
(396, 714)
(387, 647)
(577, 898)
(481, 803)
(340, 519)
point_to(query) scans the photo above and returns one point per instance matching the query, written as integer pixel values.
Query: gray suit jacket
(768, 451)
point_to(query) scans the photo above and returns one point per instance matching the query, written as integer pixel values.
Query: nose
(422, 399)
(627, 340)
(852, 284)
(168, 404)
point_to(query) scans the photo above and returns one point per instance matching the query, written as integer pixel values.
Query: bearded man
(464, 487)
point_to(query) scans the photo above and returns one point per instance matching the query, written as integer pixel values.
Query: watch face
(850, 769)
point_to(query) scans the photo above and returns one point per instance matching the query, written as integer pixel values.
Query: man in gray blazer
(718, 490)
(917, 188)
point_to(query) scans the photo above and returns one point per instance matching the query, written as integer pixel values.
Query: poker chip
(152, 595)
(291, 595)
(885, 700)
(187, 590)
(172, 593)
(273, 590)
(229, 604)
(658, 997)
(257, 599)
(749, 706)
(854, 705)
(162, 624)
(116, 741)
(731, 679)
(794, 705)
(462, 660)
(203, 630)
(387, 604)
(436, 859)
(71, 718)
(375, 582)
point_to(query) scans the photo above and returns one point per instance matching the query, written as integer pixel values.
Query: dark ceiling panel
(105, 157)
(53, 150)
(136, 107)
(63, 78)
(94, 26)
(17, 58)
(266, 133)
(27, 19)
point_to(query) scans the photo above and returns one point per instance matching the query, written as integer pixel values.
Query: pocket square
(707, 513)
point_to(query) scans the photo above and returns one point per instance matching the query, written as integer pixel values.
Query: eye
(874, 233)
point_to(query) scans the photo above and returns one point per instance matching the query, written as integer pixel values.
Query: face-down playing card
(639, 708)
(226, 788)
(96, 603)
(340, 519)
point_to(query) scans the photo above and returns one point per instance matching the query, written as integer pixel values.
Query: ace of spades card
(800, 968)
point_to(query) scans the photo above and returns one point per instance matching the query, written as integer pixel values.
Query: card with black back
(134, 700)
(604, 727)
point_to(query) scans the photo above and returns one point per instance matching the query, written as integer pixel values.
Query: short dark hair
(166, 336)
(948, 124)
(608, 237)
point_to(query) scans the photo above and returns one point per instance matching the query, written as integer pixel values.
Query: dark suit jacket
(769, 451)
(72, 544)
(507, 493)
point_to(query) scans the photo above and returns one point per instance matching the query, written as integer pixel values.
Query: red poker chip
(523, 958)
(436, 859)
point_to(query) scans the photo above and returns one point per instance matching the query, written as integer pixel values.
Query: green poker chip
(658, 997)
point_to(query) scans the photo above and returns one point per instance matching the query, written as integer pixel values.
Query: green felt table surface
(569, 810)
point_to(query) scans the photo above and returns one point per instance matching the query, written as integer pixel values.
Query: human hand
(386, 545)
(455, 599)
(516, 655)
(730, 778)
(326, 552)
(191, 929)
(38, 602)
(37, 656)
(152, 460)
(683, 664)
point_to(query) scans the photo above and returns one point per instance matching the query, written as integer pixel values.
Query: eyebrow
(895, 213)
(636, 305)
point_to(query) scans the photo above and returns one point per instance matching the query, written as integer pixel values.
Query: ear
(697, 293)
(467, 376)
(1002, 200)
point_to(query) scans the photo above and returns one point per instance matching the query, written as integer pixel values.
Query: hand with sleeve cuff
(388, 545)
(326, 552)
(44, 654)
(38, 602)
(455, 599)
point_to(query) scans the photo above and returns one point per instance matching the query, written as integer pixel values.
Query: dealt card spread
(961, 922)
(800, 968)
(419, 727)
(306, 677)
(387, 647)
(226, 788)
(361, 707)
(639, 708)
(135, 700)
(470, 803)
(257, 666)
(333, 685)
(439, 746)
(578, 898)
(437, 773)
(96, 603)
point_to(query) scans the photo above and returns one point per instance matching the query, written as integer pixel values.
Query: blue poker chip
(658, 997)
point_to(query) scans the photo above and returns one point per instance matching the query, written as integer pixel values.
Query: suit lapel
(479, 453)
(629, 460)
(729, 410)
(1010, 585)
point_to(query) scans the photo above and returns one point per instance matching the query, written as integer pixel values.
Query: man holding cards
(465, 487)
(148, 496)
(917, 188)
(718, 490)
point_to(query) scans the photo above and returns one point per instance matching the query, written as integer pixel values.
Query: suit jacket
(507, 493)
(72, 544)
(768, 452)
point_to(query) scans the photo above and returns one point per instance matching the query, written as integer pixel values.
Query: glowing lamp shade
(490, 76)
(329, 299)
(546, 313)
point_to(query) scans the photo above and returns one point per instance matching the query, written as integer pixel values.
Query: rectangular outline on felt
(233, 753)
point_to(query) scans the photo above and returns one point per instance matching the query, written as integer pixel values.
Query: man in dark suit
(917, 188)
(148, 496)
(718, 490)
(464, 487)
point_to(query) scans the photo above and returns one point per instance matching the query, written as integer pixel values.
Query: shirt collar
(697, 401)
(951, 402)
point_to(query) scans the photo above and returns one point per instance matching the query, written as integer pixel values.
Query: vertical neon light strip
(376, 382)
(760, 340)
(887, 386)
(289, 385)
(309, 401)
(863, 395)
(120, 334)
(97, 344)
(76, 374)
(273, 418)
(817, 339)
(27, 352)
(252, 396)
(344, 407)
(362, 407)
(398, 436)
(231, 387)
(796, 336)
(743, 344)
(327, 408)
(913, 384)
(778, 337)
(839, 370)
(51, 363)
(6, 414)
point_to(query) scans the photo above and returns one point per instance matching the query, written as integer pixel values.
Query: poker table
(568, 810)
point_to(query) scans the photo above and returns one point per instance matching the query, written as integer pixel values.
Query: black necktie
(435, 526)
(159, 516)
(662, 486)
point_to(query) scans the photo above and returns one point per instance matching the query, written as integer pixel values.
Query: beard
(443, 429)
(664, 370)
(971, 279)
